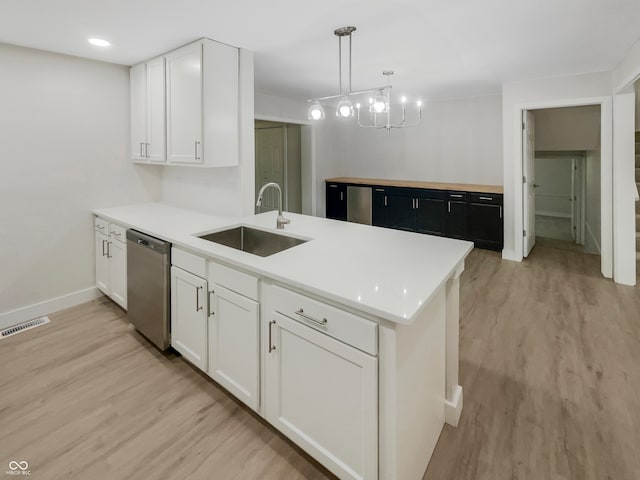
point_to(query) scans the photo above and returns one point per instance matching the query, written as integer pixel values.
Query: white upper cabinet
(156, 113)
(184, 105)
(202, 105)
(148, 115)
(138, 89)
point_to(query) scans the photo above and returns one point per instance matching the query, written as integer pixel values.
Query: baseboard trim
(13, 317)
(453, 407)
(593, 237)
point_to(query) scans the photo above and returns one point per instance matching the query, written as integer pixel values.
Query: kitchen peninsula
(350, 343)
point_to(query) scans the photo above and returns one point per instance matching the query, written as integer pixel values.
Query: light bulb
(379, 103)
(358, 106)
(316, 112)
(419, 103)
(344, 108)
(403, 99)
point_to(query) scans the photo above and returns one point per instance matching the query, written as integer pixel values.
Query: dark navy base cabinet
(472, 216)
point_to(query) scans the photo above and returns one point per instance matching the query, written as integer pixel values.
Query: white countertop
(386, 273)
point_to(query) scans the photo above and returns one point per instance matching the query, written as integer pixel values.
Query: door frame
(308, 158)
(606, 172)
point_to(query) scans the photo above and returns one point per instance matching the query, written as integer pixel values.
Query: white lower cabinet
(111, 260)
(103, 272)
(118, 272)
(189, 316)
(323, 395)
(234, 346)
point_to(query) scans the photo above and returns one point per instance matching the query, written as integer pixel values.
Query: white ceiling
(438, 48)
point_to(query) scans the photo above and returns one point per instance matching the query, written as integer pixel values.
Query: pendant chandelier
(379, 108)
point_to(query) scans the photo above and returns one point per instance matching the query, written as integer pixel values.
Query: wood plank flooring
(550, 365)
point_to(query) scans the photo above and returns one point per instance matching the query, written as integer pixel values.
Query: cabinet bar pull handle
(449, 206)
(333, 186)
(322, 322)
(209, 312)
(196, 150)
(100, 227)
(486, 198)
(385, 200)
(341, 196)
(379, 189)
(108, 249)
(146, 149)
(271, 346)
(455, 195)
(198, 307)
(103, 242)
(500, 211)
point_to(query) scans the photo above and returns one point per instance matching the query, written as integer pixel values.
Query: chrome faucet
(281, 221)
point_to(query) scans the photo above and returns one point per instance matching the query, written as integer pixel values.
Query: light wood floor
(550, 365)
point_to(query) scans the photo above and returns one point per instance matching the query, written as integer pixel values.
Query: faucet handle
(282, 221)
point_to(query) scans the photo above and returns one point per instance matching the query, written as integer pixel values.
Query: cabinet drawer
(457, 196)
(234, 280)
(101, 225)
(117, 232)
(344, 326)
(189, 262)
(489, 198)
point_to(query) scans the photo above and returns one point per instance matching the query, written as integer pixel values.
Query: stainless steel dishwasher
(359, 204)
(148, 285)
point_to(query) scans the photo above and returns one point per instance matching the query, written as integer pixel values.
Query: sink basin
(251, 240)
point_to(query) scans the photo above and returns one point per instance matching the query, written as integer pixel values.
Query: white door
(528, 156)
(184, 105)
(102, 263)
(270, 162)
(233, 344)
(189, 316)
(156, 113)
(138, 92)
(323, 394)
(118, 272)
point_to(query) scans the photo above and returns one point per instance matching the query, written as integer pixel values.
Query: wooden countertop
(464, 187)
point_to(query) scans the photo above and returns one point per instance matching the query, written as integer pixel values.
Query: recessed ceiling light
(99, 42)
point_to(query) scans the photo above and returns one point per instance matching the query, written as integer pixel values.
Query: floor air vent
(21, 327)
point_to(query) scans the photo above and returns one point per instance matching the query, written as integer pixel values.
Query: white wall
(569, 128)
(220, 191)
(535, 94)
(64, 144)
(456, 141)
(268, 107)
(592, 207)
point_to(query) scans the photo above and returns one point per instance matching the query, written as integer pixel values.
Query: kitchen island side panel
(412, 391)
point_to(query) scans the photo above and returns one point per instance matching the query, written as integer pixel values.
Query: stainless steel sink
(251, 240)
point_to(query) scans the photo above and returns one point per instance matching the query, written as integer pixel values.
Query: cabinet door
(102, 263)
(430, 215)
(379, 207)
(336, 201)
(118, 272)
(189, 316)
(484, 225)
(184, 104)
(400, 210)
(233, 344)
(156, 113)
(323, 394)
(138, 92)
(456, 219)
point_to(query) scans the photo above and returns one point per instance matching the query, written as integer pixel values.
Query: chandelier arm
(350, 63)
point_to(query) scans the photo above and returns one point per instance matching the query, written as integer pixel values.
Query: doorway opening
(278, 159)
(562, 165)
